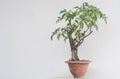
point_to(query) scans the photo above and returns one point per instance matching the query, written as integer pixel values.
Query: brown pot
(78, 68)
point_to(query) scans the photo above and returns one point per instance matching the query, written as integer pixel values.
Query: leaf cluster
(79, 23)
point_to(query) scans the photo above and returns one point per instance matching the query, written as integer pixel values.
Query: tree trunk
(74, 55)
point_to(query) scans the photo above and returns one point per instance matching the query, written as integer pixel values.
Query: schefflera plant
(79, 24)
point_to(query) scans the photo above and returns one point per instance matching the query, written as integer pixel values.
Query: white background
(26, 51)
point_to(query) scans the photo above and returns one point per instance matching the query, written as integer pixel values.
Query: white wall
(26, 52)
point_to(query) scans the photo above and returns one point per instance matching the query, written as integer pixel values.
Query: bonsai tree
(79, 24)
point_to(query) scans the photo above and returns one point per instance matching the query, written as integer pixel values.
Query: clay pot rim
(80, 61)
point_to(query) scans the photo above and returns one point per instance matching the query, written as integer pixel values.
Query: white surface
(26, 51)
(80, 78)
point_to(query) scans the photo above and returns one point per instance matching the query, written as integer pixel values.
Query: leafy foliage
(79, 23)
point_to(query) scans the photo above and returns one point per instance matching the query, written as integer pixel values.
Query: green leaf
(63, 11)
(76, 7)
(52, 35)
(83, 34)
(58, 36)
(62, 16)
(78, 34)
(96, 26)
(76, 21)
(104, 18)
(95, 18)
(64, 36)
(81, 25)
(59, 19)
(65, 39)
(86, 4)
(57, 30)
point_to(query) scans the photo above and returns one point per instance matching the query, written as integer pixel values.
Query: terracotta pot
(78, 68)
